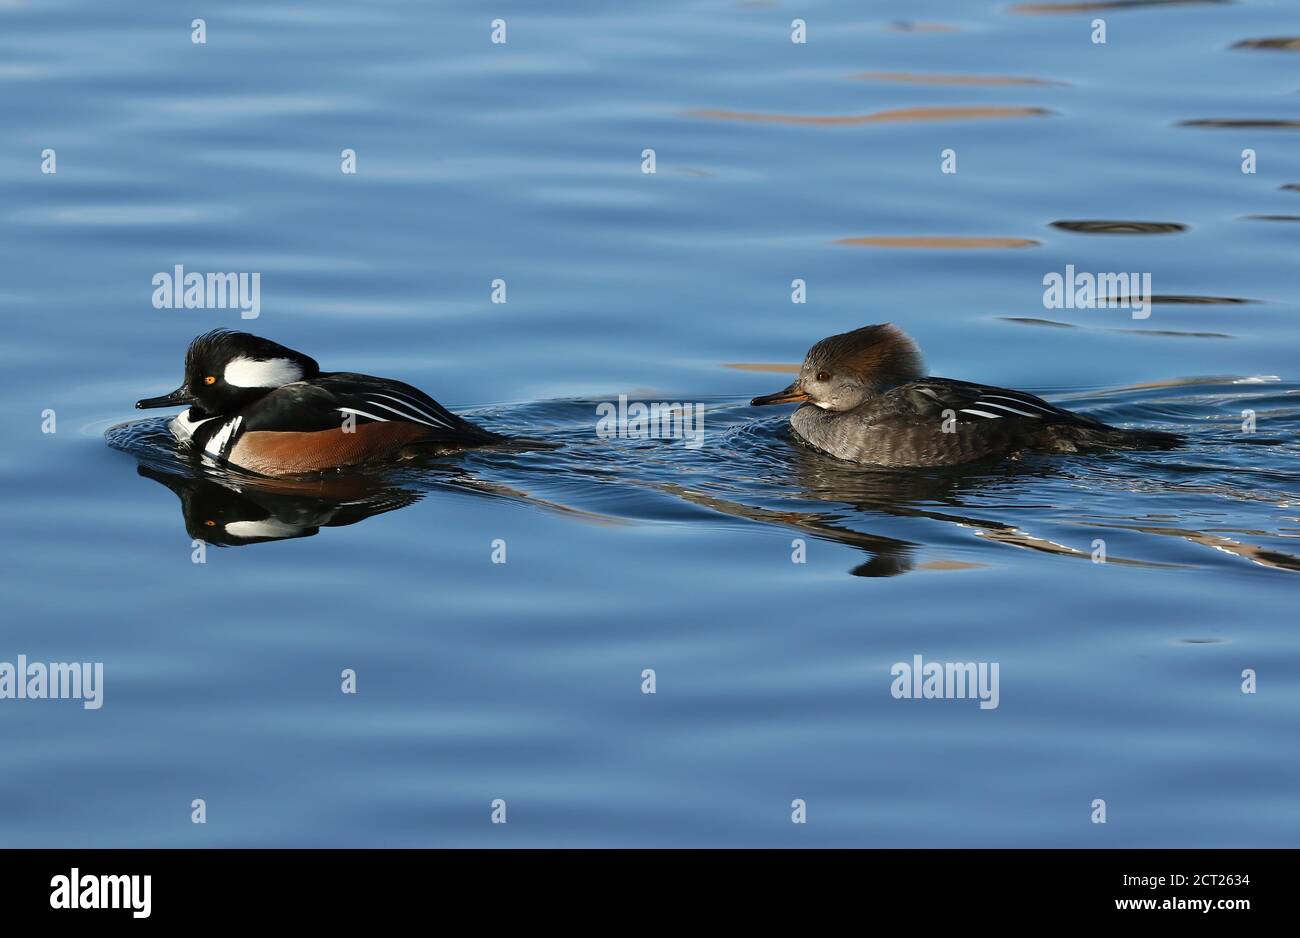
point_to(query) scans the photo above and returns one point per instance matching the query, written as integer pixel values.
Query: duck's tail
(523, 443)
(1085, 438)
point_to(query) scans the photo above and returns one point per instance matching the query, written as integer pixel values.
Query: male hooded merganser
(258, 406)
(867, 400)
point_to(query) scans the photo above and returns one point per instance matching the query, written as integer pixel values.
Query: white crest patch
(270, 373)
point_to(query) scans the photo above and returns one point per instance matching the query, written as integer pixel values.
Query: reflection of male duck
(231, 514)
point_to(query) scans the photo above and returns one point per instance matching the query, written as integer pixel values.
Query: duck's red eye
(210, 379)
(823, 376)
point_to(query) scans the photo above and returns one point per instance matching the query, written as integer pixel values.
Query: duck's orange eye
(210, 523)
(210, 380)
(823, 376)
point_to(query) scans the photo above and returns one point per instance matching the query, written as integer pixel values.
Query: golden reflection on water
(966, 80)
(879, 117)
(1263, 556)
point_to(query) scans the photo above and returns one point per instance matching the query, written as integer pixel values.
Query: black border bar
(337, 886)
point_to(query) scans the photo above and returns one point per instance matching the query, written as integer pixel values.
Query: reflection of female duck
(229, 514)
(876, 493)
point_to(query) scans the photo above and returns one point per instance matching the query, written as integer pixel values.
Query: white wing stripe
(405, 416)
(411, 404)
(1023, 413)
(979, 413)
(1047, 409)
(360, 413)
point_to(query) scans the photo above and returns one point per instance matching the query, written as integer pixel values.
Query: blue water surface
(522, 681)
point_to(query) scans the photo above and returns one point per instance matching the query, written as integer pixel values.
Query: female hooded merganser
(867, 400)
(258, 406)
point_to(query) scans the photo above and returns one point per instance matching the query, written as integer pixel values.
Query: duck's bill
(181, 397)
(792, 395)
